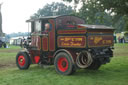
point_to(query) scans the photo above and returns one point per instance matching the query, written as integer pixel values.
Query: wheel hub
(62, 64)
(21, 60)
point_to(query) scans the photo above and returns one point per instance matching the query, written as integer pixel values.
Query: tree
(116, 6)
(107, 12)
(126, 22)
(54, 9)
(0, 19)
(92, 14)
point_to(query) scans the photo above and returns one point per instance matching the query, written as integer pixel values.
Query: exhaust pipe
(84, 59)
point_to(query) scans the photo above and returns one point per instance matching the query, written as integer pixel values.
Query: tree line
(101, 12)
(8, 36)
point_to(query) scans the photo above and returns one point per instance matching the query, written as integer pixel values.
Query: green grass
(113, 73)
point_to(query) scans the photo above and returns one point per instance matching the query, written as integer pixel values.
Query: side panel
(71, 32)
(71, 41)
(52, 41)
(34, 54)
(100, 31)
(100, 40)
(52, 36)
(45, 43)
(34, 39)
(36, 42)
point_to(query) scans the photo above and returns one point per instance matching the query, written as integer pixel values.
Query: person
(123, 39)
(47, 27)
(115, 40)
(0, 43)
(119, 39)
(4, 44)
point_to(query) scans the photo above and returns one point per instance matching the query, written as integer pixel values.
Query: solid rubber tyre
(63, 64)
(22, 60)
(95, 65)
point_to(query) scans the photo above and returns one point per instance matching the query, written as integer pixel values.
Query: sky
(16, 12)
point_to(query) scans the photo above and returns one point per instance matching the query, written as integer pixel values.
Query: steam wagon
(67, 43)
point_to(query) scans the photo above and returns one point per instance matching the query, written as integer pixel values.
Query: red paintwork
(77, 38)
(80, 26)
(53, 23)
(62, 64)
(99, 41)
(37, 59)
(33, 41)
(72, 41)
(36, 42)
(52, 41)
(45, 43)
(71, 26)
(62, 21)
(101, 31)
(39, 43)
(34, 53)
(21, 60)
(52, 36)
(71, 32)
(73, 54)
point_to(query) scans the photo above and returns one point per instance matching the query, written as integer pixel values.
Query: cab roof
(46, 17)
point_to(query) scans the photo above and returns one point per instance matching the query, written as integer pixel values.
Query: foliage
(8, 36)
(116, 6)
(126, 22)
(17, 34)
(105, 12)
(93, 15)
(54, 9)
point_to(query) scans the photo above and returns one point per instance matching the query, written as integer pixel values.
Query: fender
(26, 51)
(73, 58)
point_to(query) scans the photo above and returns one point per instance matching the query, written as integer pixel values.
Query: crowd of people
(119, 39)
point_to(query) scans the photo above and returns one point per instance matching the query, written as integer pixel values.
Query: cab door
(44, 42)
(48, 39)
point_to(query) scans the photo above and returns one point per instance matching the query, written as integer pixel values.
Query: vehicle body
(2, 42)
(69, 44)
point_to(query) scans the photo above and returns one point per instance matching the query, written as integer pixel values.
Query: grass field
(113, 73)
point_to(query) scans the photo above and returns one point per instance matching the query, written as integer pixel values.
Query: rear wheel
(95, 65)
(22, 60)
(63, 64)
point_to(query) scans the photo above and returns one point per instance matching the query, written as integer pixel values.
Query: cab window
(37, 26)
(32, 26)
(46, 24)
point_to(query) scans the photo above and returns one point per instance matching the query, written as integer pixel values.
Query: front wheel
(63, 64)
(22, 60)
